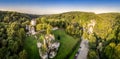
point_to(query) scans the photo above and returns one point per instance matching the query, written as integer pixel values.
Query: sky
(60, 6)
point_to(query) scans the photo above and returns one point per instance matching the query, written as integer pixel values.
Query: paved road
(83, 51)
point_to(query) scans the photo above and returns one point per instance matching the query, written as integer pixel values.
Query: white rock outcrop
(51, 45)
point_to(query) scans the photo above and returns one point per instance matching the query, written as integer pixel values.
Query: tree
(38, 27)
(92, 55)
(10, 45)
(23, 54)
(117, 51)
(41, 27)
(6, 19)
(15, 46)
(1, 54)
(41, 39)
(112, 45)
(49, 27)
(43, 20)
(4, 42)
(21, 33)
(11, 30)
(110, 51)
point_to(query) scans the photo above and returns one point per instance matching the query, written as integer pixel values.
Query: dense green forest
(12, 34)
(104, 43)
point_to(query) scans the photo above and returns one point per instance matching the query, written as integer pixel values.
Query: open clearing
(67, 44)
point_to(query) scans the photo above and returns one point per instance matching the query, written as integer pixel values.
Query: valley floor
(67, 44)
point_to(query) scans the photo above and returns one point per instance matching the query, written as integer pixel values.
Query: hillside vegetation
(104, 43)
(106, 31)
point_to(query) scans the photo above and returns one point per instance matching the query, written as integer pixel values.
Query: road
(83, 51)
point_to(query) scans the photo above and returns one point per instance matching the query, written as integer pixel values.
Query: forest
(104, 42)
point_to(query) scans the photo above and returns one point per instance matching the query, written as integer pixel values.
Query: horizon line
(59, 12)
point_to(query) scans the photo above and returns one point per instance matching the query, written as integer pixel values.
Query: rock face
(91, 26)
(48, 47)
(84, 46)
(33, 22)
(31, 27)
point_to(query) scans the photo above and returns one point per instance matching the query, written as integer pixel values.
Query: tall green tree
(23, 54)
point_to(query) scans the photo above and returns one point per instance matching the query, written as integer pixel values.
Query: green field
(74, 52)
(31, 47)
(67, 44)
